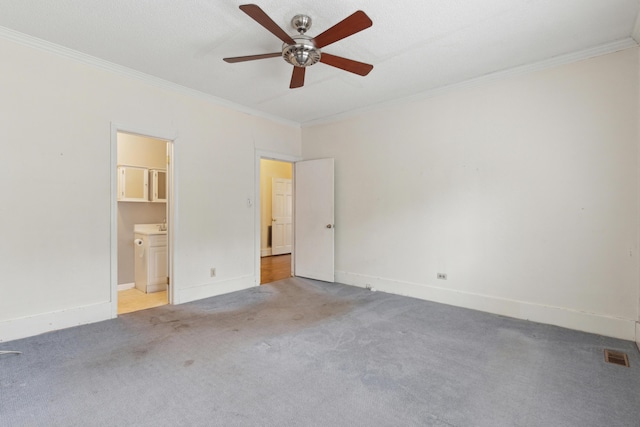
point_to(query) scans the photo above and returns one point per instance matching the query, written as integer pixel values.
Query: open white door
(314, 206)
(281, 216)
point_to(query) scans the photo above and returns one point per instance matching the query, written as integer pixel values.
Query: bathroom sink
(150, 229)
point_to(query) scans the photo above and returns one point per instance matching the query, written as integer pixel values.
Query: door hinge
(168, 160)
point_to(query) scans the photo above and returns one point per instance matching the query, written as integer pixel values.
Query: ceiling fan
(302, 51)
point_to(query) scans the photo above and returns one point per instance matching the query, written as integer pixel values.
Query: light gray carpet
(306, 353)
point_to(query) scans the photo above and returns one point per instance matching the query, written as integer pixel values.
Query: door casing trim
(267, 155)
(166, 135)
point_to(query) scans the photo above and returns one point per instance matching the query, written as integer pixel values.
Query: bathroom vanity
(151, 255)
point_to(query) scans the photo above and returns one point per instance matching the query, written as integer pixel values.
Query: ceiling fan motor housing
(303, 53)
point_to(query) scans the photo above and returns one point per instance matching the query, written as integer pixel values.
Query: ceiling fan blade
(349, 65)
(297, 78)
(263, 19)
(252, 57)
(350, 25)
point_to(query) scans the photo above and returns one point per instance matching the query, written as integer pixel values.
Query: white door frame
(268, 155)
(170, 137)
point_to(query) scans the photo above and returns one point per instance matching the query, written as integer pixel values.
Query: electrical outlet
(442, 276)
(213, 272)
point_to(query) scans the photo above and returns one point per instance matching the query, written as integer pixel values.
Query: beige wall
(136, 150)
(523, 191)
(151, 153)
(269, 169)
(57, 115)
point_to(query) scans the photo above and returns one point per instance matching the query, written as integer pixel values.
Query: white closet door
(314, 219)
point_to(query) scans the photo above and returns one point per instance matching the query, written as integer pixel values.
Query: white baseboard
(125, 286)
(265, 252)
(208, 290)
(34, 325)
(559, 316)
(638, 335)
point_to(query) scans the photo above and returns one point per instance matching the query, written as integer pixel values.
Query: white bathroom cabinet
(151, 262)
(158, 190)
(133, 184)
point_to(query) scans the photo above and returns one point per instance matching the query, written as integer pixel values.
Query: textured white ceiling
(414, 45)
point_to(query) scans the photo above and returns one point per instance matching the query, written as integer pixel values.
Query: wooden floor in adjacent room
(133, 300)
(273, 268)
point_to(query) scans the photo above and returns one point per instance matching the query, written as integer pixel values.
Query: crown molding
(485, 79)
(34, 42)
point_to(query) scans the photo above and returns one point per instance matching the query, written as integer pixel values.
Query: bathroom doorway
(142, 223)
(276, 220)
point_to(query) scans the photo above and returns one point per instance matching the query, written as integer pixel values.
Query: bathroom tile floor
(133, 300)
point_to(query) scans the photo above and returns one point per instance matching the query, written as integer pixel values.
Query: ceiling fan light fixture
(301, 58)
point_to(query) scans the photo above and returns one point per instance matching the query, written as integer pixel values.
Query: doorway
(276, 220)
(141, 221)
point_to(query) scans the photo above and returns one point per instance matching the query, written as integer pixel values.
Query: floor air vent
(616, 357)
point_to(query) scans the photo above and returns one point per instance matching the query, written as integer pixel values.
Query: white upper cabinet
(158, 192)
(133, 184)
